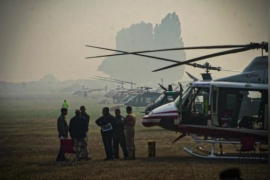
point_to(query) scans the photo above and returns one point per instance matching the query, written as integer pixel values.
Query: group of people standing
(115, 130)
(77, 128)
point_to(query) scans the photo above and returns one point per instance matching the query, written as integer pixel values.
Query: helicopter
(143, 98)
(118, 93)
(84, 90)
(225, 106)
(137, 97)
(168, 95)
(226, 109)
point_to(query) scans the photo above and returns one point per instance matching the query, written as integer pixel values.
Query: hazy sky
(38, 37)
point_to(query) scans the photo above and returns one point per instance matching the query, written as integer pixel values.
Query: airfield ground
(29, 146)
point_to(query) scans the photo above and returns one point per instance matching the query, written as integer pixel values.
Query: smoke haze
(49, 37)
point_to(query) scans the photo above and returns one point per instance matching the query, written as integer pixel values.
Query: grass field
(29, 146)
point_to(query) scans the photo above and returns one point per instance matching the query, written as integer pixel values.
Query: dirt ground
(29, 146)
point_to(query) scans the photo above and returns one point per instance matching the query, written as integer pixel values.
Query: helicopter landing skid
(209, 156)
(212, 155)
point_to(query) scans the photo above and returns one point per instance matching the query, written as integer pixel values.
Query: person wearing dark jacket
(119, 135)
(62, 128)
(87, 119)
(106, 122)
(77, 130)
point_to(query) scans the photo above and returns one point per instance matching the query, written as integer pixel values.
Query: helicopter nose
(149, 121)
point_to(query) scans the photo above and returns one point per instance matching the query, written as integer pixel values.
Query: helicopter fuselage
(224, 104)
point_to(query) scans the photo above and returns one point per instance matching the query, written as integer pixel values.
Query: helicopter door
(214, 107)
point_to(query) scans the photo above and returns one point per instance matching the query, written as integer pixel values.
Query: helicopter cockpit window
(147, 100)
(169, 98)
(199, 101)
(160, 98)
(195, 106)
(184, 97)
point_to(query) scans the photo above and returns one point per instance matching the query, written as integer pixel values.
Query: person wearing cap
(77, 130)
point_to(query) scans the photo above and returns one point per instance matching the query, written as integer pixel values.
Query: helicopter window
(160, 98)
(169, 98)
(148, 100)
(198, 101)
(254, 94)
(250, 104)
(136, 100)
(184, 96)
(242, 107)
(215, 101)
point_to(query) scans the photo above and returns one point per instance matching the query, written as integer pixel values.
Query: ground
(29, 146)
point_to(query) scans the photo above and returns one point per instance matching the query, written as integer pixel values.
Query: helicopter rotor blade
(229, 70)
(162, 87)
(263, 46)
(160, 50)
(132, 53)
(205, 57)
(191, 76)
(116, 80)
(154, 57)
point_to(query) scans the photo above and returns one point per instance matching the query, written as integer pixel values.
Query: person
(87, 119)
(119, 135)
(62, 128)
(129, 124)
(77, 130)
(106, 122)
(65, 104)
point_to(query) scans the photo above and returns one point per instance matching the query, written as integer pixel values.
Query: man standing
(129, 124)
(77, 130)
(87, 119)
(106, 122)
(65, 104)
(119, 135)
(62, 128)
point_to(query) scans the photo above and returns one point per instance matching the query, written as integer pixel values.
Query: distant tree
(143, 36)
(137, 37)
(167, 33)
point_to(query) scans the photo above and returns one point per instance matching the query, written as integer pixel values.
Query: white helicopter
(228, 108)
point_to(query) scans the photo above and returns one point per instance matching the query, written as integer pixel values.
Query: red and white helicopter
(226, 109)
